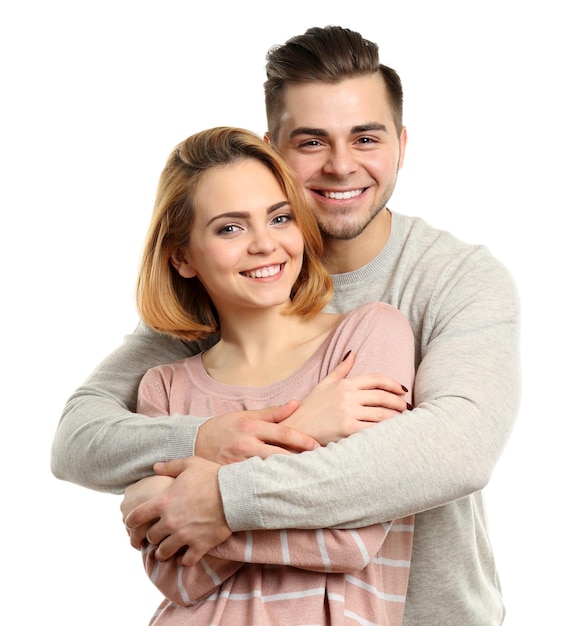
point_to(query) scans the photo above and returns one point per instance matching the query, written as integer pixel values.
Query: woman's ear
(181, 264)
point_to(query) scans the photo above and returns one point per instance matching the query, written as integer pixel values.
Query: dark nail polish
(346, 355)
(404, 388)
(410, 407)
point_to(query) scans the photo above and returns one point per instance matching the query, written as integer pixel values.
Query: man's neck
(347, 255)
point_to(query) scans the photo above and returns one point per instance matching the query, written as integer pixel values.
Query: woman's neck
(260, 349)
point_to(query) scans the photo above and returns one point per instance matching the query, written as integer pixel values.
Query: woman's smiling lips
(264, 272)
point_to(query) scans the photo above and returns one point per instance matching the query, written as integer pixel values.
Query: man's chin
(340, 233)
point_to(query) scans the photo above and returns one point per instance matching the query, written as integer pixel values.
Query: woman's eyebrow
(246, 214)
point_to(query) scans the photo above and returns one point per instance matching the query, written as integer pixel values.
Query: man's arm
(466, 396)
(466, 400)
(99, 442)
(322, 550)
(102, 444)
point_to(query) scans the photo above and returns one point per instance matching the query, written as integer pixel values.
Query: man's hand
(338, 406)
(189, 514)
(238, 436)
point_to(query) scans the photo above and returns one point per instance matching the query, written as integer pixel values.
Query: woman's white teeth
(264, 272)
(342, 195)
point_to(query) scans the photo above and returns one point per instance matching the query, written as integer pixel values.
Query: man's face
(342, 142)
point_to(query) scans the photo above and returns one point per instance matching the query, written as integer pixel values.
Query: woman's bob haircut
(179, 306)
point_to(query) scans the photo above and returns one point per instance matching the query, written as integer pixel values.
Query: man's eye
(310, 143)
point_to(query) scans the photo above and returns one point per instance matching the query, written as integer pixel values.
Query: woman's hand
(339, 406)
(137, 494)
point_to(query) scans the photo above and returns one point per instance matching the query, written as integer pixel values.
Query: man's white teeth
(342, 195)
(264, 272)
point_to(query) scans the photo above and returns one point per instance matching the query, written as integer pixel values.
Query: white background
(96, 94)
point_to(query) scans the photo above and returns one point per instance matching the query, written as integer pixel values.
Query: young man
(335, 113)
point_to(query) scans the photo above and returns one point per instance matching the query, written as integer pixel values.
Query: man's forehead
(351, 103)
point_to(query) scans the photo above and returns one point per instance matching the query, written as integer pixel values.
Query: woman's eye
(282, 219)
(230, 228)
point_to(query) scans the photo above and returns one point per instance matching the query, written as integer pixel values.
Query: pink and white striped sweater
(298, 576)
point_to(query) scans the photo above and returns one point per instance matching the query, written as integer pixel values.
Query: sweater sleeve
(99, 442)
(466, 399)
(322, 550)
(328, 551)
(187, 585)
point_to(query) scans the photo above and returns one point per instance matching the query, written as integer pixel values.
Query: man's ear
(267, 138)
(182, 265)
(403, 140)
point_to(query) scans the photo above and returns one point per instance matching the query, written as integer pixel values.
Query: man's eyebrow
(305, 130)
(365, 128)
(321, 132)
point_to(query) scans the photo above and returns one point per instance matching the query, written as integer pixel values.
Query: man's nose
(340, 162)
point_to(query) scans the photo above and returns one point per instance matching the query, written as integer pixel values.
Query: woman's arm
(314, 550)
(345, 402)
(186, 585)
(182, 585)
(328, 551)
(398, 361)
(323, 550)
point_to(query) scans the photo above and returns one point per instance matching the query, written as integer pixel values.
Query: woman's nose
(262, 242)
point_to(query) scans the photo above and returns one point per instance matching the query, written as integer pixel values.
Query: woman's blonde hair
(179, 306)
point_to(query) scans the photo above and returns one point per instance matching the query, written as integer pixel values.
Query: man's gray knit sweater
(433, 461)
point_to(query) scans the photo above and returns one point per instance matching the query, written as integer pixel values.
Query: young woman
(233, 250)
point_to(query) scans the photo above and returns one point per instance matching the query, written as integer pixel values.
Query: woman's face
(245, 247)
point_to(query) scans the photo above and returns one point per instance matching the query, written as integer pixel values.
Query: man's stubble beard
(350, 231)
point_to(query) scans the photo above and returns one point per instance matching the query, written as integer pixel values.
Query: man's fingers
(274, 438)
(138, 535)
(286, 438)
(275, 414)
(171, 468)
(143, 514)
(191, 557)
(170, 546)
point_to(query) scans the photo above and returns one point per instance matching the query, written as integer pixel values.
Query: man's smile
(342, 195)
